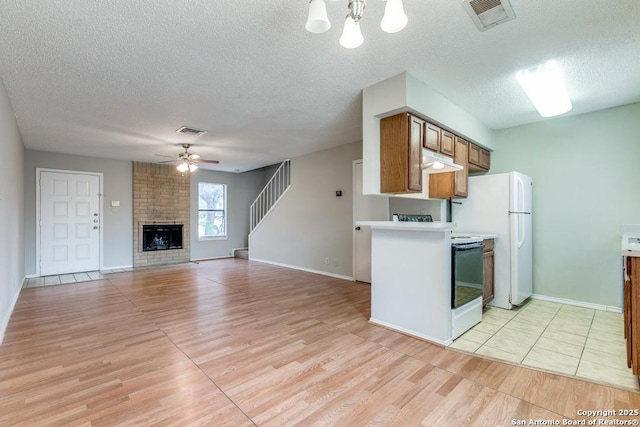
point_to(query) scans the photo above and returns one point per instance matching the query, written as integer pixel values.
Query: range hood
(437, 163)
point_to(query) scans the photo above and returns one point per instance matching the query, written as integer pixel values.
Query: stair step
(241, 253)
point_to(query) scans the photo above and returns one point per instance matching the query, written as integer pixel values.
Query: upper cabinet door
(446, 143)
(432, 137)
(401, 139)
(416, 138)
(461, 157)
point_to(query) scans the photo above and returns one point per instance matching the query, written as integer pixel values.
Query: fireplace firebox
(161, 237)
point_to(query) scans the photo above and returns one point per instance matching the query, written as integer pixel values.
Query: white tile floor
(62, 279)
(554, 337)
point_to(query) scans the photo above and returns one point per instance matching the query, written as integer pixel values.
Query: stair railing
(270, 194)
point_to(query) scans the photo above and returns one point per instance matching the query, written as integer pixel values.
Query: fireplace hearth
(161, 237)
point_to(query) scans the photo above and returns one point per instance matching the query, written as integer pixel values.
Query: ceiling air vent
(190, 131)
(488, 13)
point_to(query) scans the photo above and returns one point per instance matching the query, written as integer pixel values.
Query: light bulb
(351, 34)
(318, 22)
(394, 18)
(183, 167)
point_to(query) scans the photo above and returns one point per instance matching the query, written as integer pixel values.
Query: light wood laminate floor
(234, 342)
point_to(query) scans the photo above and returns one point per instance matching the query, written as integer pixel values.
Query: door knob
(358, 228)
(95, 227)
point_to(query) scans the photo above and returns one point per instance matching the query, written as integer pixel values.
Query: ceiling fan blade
(162, 155)
(168, 161)
(213, 162)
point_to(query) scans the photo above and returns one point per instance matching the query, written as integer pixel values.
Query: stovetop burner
(413, 218)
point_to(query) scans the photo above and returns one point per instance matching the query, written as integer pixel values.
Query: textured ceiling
(116, 78)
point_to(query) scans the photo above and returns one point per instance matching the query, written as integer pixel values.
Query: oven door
(466, 273)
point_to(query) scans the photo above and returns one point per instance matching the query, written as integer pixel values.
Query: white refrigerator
(500, 204)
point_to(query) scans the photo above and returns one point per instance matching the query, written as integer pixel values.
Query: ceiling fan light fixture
(394, 18)
(318, 21)
(183, 167)
(545, 88)
(193, 167)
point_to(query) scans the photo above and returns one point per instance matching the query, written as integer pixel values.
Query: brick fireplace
(161, 198)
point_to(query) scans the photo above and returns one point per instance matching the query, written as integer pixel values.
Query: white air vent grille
(488, 13)
(190, 131)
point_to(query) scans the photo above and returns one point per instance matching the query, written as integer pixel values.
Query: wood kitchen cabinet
(438, 140)
(447, 143)
(632, 312)
(452, 184)
(432, 137)
(479, 158)
(488, 263)
(401, 141)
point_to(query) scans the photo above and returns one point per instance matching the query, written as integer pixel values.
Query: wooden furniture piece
(488, 262)
(452, 184)
(401, 140)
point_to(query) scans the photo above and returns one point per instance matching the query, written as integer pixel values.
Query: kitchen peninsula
(411, 278)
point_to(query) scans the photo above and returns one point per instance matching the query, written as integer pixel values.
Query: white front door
(366, 208)
(69, 222)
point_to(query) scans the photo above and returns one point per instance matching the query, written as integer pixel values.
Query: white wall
(586, 174)
(11, 211)
(117, 226)
(310, 223)
(242, 189)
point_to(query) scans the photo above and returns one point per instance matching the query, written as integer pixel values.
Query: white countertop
(436, 226)
(483, 236)
(630, 245)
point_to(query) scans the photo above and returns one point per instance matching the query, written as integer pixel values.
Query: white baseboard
(308, 270)
(210, 258)
(577, 303)
(7, 316)
(118, 267)
(411, 333)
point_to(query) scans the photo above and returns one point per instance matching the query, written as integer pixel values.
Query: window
(212, 210)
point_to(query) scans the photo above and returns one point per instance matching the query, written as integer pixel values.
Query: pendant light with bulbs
(394, 20)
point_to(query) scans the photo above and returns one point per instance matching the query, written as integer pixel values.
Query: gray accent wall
(586, 175)
(242, 189)
(11, 211)
(117, 185)
(311, 224)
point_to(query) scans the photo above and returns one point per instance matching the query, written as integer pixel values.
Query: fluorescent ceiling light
(545, 88)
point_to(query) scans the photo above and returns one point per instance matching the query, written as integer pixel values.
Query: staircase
(269, 196)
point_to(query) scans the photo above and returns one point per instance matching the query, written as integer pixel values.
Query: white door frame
(39, 171)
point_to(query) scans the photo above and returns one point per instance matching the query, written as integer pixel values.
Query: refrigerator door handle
(518, 212)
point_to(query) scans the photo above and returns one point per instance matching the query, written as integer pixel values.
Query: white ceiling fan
(188, 161)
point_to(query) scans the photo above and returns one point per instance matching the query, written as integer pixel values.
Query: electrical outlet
(326, 260)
